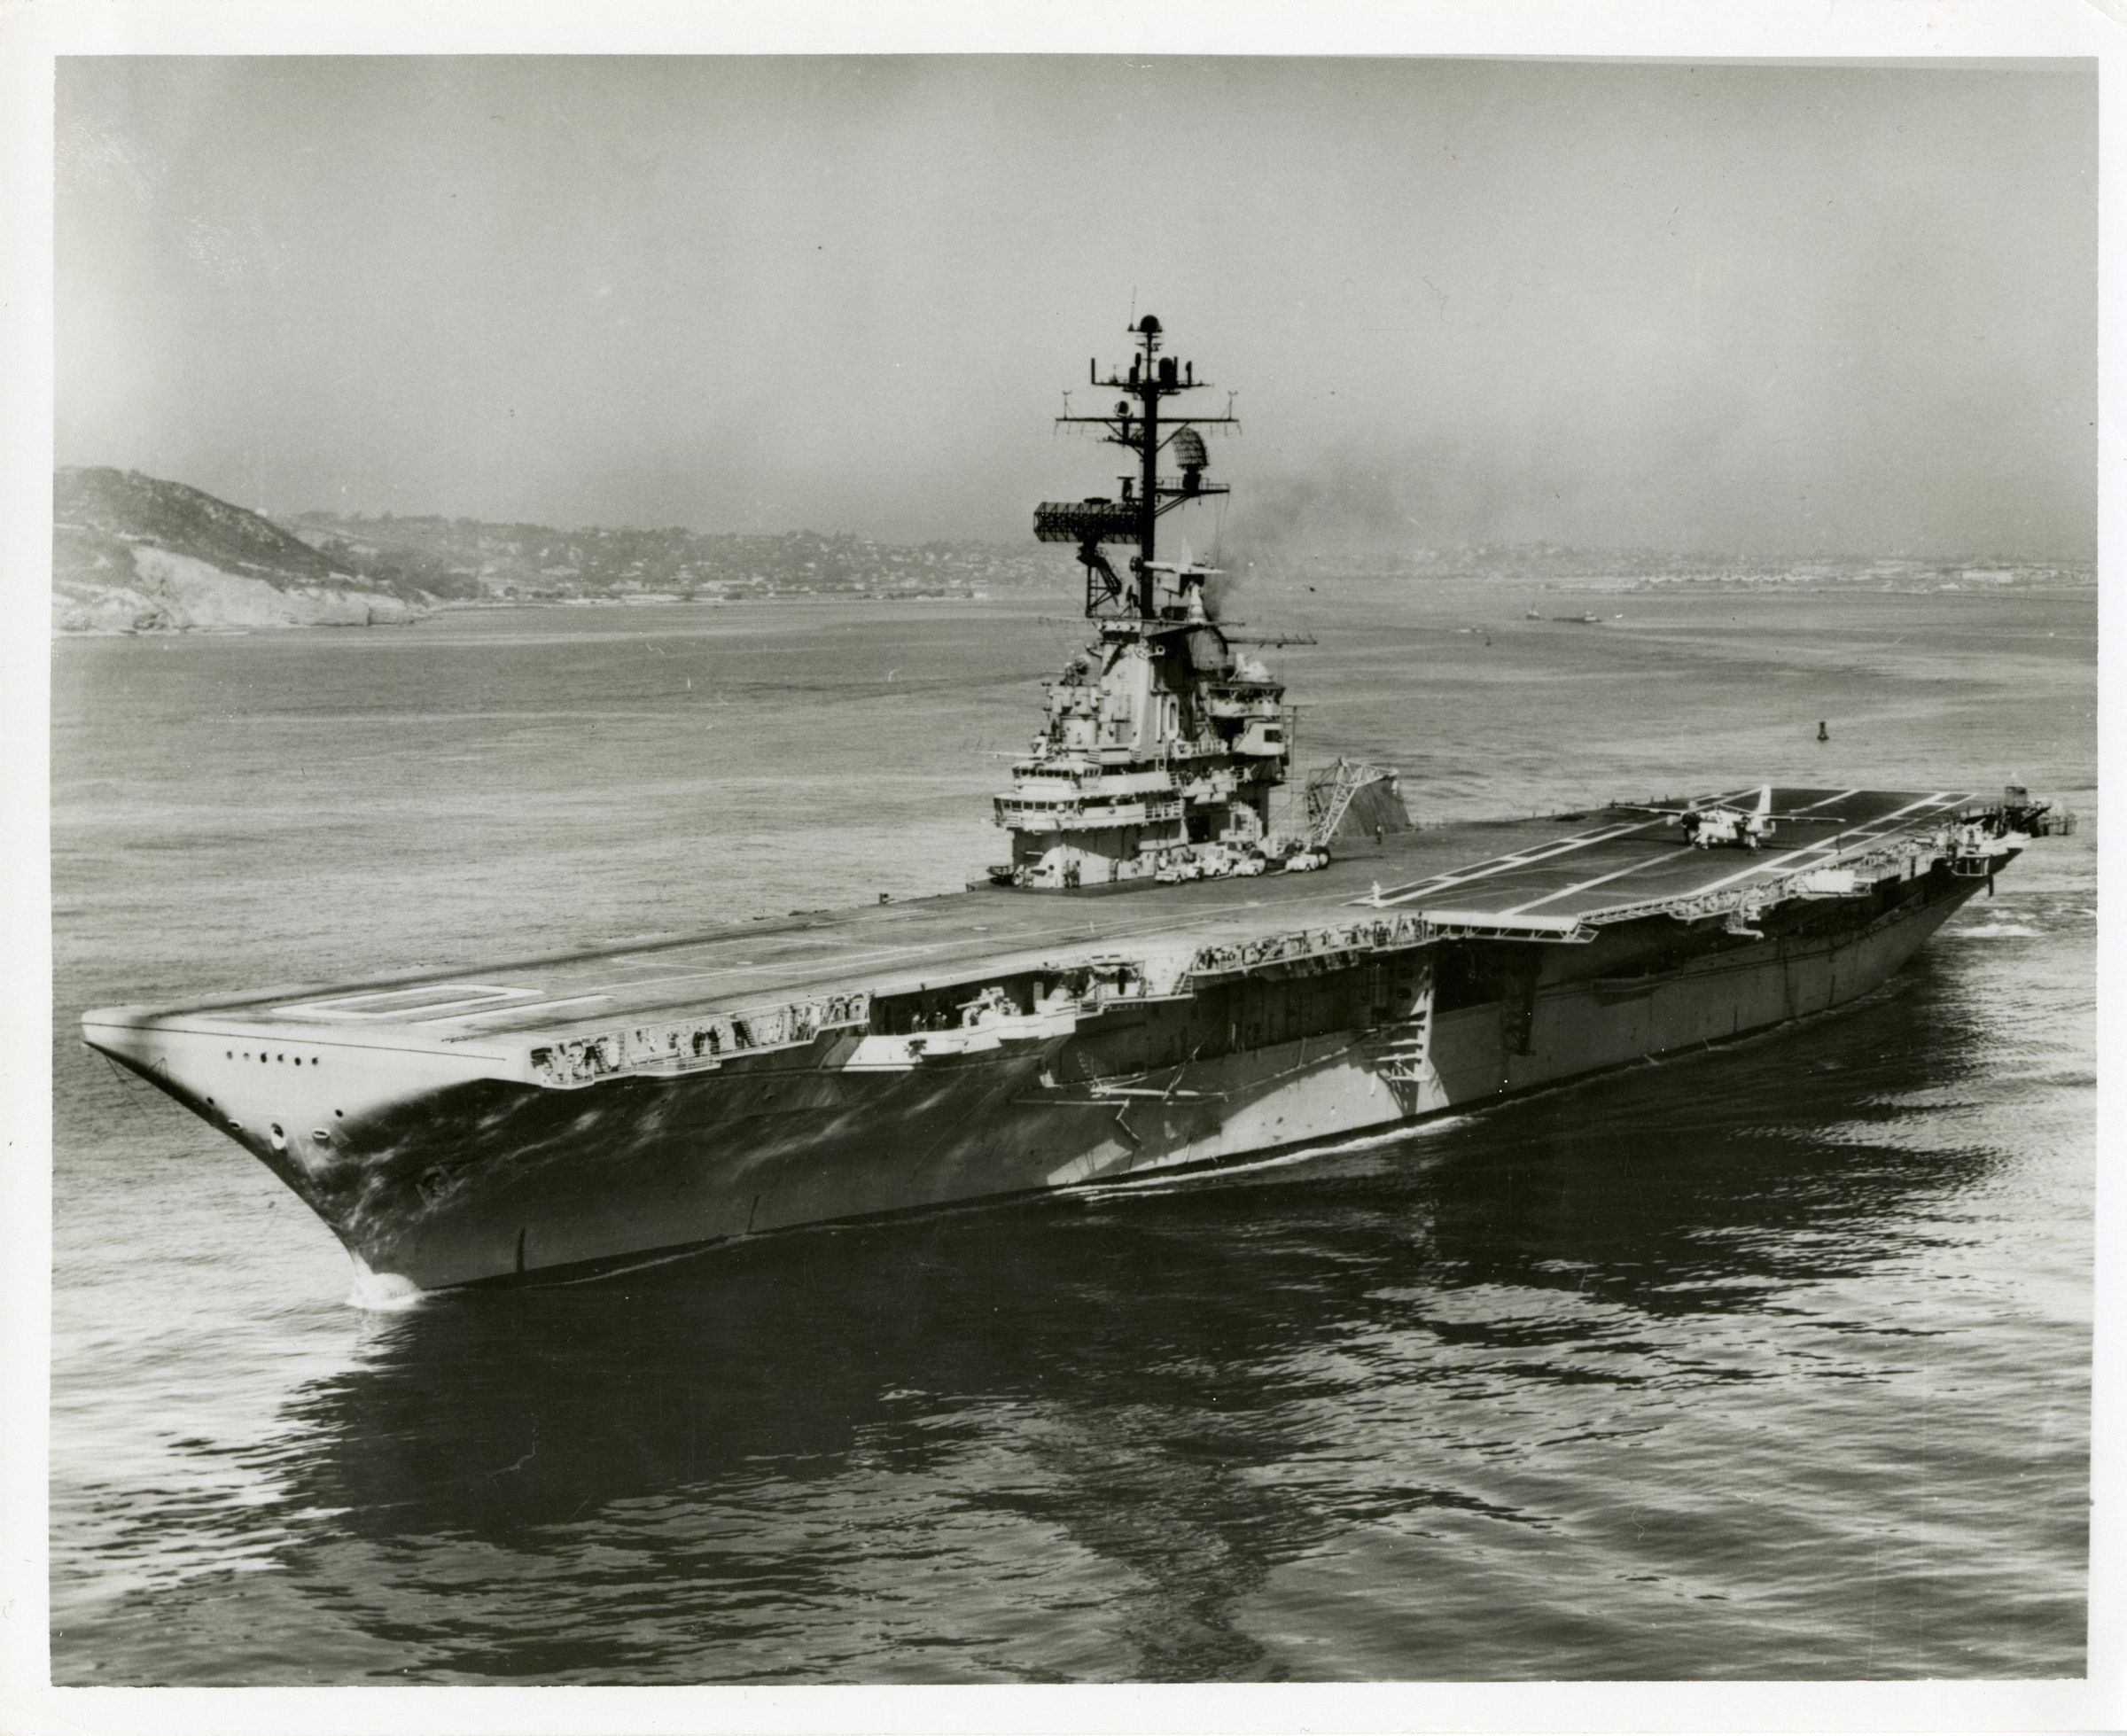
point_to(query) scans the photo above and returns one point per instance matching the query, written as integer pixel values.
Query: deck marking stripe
(362, 1006)
(1862, 832)
(1412, 889)
(1514, 858)
(1850, 834)
(1441, 883)
(1882, 823)
(1881, 828)
(516, 1009)
(1639, 867)
(1619, 874)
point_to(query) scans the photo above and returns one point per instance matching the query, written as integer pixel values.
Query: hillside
(535, 562)
(131, 553)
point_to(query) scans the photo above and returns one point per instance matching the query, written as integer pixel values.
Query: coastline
(416, 615)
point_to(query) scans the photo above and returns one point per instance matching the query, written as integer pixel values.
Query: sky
(1773, 309)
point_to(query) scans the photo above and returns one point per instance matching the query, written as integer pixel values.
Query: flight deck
(1537, 877)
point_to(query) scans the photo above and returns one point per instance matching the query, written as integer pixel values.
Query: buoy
(1823, 734)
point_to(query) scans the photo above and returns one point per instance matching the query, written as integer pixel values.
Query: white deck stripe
(1882, 826)
(1440, 882)
(1512, 860)
(1639, 867)
(516, 1009)
(1498, 865)
(1528, 860)
(1636, 866)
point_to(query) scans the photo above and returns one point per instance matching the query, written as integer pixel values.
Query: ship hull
(443, 1181)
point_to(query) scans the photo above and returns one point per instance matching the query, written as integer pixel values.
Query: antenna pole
(1136, 425)
(1149, 488)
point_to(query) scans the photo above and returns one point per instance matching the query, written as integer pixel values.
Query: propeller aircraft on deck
(1706, 826)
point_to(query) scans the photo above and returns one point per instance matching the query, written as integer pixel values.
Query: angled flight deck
(1630, 863)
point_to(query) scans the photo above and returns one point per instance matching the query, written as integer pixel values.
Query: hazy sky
(1773, 309)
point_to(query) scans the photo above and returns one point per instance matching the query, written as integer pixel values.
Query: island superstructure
(1173, 969)
(1164, 743)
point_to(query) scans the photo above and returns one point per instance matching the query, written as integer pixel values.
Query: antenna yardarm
(1140, 425)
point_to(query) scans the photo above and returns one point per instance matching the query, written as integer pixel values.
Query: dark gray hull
(489, 1181)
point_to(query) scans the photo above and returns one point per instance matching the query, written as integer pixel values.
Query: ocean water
(1771, 1362)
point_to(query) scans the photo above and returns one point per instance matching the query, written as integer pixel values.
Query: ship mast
(1163, 743)
(1142, 429)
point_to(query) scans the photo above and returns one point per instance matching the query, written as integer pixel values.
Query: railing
(1321, 947)
(1476, 925)
(1084, 816)
(696, 1044)
(707, 1041)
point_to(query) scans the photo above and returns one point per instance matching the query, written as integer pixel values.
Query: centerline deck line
(1501, 865)
(1634, 868)
(1881, 822)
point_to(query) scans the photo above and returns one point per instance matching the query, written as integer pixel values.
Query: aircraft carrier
(1182, 963)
